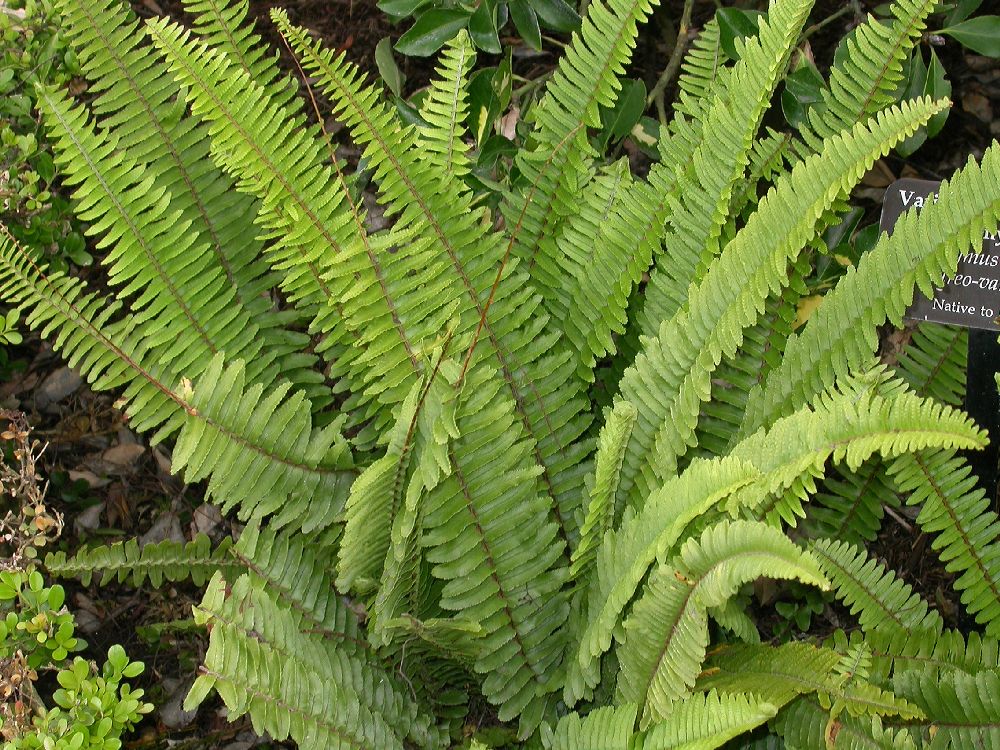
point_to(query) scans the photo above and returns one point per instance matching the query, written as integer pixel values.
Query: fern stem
(673, 64)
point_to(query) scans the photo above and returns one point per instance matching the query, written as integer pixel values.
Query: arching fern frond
(137, 104)
(267, 459)
(841, 334)
(706, 189)
(967, 532)
(197, 560)
(664, 640)
(876, 596)
(672, 376)
(781, 464)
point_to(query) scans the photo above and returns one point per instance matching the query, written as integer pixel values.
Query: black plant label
(970, 298)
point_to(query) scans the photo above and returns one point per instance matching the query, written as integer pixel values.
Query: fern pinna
(435, 506)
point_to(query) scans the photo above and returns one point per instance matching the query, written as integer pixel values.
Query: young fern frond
(705, 191)
(601, 514)
(605, 728)
(672, 376)
(864, 79)
(446, 107)
(955, 509)
(224, 25)
(874, 595)
(557, 163)
(663, 642)
(168, 560)
(841, 335)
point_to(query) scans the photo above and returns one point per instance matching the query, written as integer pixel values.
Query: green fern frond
(863, 80)
(672, 376)
(446, 107)
(294, 572)
(153, 257)
(967, 531)
(605, 728)
(602, 515)
(495, 305)
(850, 503)
(841, 334)
(295, 475)
(488, 536)
(281, 161)
(806, 724)
(777, 674)
(928, 651)
(874, 595)
(557, 163)
(299, 685)
(704, 721)
(705, 191)
(138, 107)
(934, 362)
(168, 560)
(700, 67)
(223, 25)
(266, 459)
(963, 710)
(847, 426)
(664, 640)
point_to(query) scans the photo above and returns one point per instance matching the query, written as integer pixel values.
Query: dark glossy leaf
(387, 67)
(432, 29)
(495, 147)
(44, 166)
(557, 15)
(735, 24)
(980, 34)
(526, 23)
(803, 88)
(618, 120)
(483, 28)
(646, 134)
(409, 114)
(401, 8)
(484, 104)
(963, 9)
(936, 87)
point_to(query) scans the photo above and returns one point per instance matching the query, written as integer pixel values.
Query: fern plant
(406, 418)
